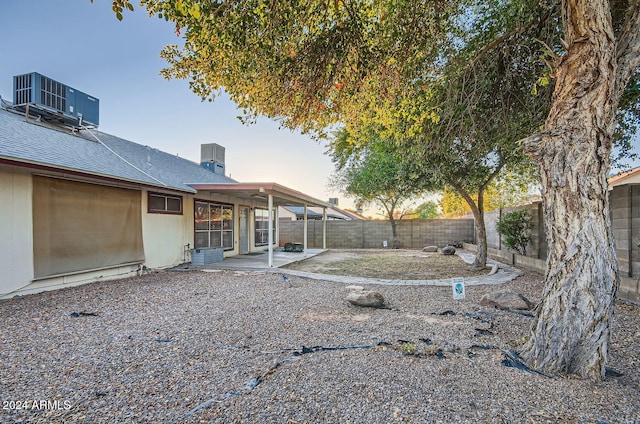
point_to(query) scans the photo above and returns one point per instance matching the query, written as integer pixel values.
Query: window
(262, 226)
(162, 203)
(213, 225)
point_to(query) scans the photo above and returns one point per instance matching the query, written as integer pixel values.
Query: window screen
(80, 226)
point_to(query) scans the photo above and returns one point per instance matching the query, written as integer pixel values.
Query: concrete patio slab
(260, 261)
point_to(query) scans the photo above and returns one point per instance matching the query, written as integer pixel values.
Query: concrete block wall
(624, 208)
(538, 235)
(490, 221)
(366, 234)
(624, 204)
(620, 205)
(629, 289)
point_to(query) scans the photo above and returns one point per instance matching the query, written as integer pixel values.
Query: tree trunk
(570, 334)
(480, 260)
(394, 232)
(394, 227)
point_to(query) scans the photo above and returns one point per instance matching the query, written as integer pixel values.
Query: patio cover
(275, 195)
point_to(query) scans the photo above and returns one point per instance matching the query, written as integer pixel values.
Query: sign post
(457, 285)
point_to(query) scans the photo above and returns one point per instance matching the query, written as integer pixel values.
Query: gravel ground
(251, 347)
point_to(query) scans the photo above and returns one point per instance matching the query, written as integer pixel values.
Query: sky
(82, 44)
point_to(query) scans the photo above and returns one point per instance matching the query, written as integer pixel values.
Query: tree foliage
(427, 210)
(375, 174)
(508, 190)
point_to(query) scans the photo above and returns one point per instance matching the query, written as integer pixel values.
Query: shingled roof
(95, 153)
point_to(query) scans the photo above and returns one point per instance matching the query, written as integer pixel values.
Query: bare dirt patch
(398, 264)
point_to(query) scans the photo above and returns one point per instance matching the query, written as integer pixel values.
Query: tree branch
(495, 43)
(467, 198)
(491, 177)
(628, 47)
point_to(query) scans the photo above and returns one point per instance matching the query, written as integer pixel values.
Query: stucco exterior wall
(165, 236)
(16, 235)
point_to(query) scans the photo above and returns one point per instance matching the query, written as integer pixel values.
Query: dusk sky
(83, 45)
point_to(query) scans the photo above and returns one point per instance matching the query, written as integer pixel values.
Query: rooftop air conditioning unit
(212, 158)
(54, 101)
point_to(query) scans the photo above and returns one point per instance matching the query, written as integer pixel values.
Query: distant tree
(506, 191)
(452, 204)
(374, 175)
(427, 210)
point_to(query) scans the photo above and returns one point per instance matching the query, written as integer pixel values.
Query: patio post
(324, 227)
(270, 236)
(305, 228)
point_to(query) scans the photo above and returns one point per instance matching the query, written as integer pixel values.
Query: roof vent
(212, 158)
(36, 94)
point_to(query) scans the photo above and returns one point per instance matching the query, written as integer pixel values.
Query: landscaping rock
(449, 250)
(507, 300)
(366, 298)
(430, 249)
(352, 287)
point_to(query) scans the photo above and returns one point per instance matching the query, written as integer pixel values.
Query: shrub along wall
(537, 247)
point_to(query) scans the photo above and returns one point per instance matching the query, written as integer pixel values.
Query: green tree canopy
(375, 174)
(427, 210)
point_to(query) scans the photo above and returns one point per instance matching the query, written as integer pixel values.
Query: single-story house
(631, 176)
(79, 205)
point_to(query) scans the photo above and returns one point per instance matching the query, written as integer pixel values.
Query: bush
(514, 228)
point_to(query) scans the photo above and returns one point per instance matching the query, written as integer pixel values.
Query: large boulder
(430, 249)
(448, 250)
(367, 298)
(506, 299)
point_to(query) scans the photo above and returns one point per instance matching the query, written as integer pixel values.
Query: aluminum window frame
(261, 235)
(221, 229)
(166, 198)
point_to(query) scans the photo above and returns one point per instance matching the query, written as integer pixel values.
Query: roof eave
(265, 188)
(79, 172)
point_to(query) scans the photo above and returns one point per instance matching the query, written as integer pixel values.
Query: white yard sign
(457, 285)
